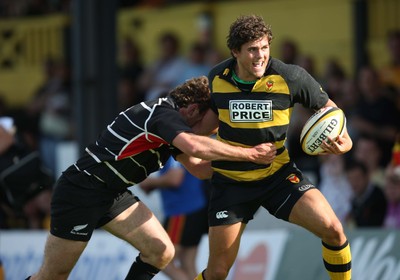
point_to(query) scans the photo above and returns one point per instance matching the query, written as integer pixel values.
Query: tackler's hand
(264, 153)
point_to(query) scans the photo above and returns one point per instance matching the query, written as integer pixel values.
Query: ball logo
(323, 136)
(293, 178)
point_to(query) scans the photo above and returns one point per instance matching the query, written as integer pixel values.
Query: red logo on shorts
(293, 178)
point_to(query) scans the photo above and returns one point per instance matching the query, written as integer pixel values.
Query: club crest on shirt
(293, 178)
(269, 84)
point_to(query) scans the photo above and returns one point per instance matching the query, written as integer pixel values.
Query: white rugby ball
(328, 121)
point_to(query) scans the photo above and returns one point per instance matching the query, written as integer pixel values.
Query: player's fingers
(330, 146)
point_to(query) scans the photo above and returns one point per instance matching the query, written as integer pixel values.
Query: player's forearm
(210, 149)
(196, 166)
(348, 143)
(172, 178)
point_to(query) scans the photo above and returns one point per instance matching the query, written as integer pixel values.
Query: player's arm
(197, 167)
(172, 178)
(339, 145)
(210, 149)
(206, 148)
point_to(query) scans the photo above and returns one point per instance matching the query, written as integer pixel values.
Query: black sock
(141, 270)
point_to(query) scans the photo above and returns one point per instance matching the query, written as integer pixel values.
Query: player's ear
(234, 52)
(193, 109)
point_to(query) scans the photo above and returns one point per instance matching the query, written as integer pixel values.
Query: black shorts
(187, 230)
(238, 201)
(81, 203)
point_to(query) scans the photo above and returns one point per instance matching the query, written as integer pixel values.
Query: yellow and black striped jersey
(262, 114)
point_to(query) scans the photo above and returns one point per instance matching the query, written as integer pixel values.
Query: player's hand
(147, 188)
(264, 153)
(338, 145)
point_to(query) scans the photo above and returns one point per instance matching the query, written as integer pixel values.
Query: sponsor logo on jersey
(305, 187)
(269, 85)
(222, 214)
(293, 178)
(77, 230)
(250, 110)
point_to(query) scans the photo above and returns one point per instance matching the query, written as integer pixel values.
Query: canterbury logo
(76, 230)
(305, 187)
(221, 215)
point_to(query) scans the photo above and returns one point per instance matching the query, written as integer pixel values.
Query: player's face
(194, 119)
(192, 115)
(252, 59)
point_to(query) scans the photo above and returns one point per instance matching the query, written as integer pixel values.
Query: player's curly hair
(246, 29)
(195, 90)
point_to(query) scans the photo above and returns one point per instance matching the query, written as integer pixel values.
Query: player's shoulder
(290, 72)
(222, 67)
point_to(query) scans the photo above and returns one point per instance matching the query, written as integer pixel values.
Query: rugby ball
(328, 121)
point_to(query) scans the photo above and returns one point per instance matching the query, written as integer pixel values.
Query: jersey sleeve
(167, 123)
(308, 91)
(211, 77)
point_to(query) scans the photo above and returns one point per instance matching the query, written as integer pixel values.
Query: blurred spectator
(369, 203)
(37, 7)
(20, 8)
(349, 98)
(130, 69)
(127, 94)
(333, 80)
(25, 185)
(12, 8)
(367, 150)
(335, 186)
(196, 63)
(308, 63)
(390, 74)
(375, 114)
(184, 202)
(166, 71)
(51, 108)
(289, 52)
(130, 65)
(392, 187)
(392, 192)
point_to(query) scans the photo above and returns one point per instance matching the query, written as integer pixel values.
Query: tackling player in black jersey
(93, 193)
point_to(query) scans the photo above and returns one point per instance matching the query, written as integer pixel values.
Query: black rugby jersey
(135, 144)
(261, 115)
